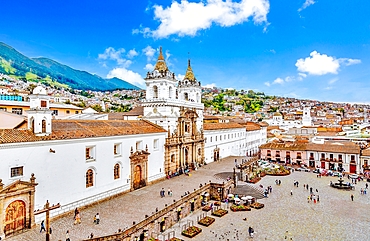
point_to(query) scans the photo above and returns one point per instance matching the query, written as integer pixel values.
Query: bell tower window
(186, 96)
(155, 92)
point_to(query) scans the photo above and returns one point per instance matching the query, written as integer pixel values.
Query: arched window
(170, 92)
(116, 171)
(89, 178)
(43, 123)
(155, 92)
(32, 124)
(186, 96)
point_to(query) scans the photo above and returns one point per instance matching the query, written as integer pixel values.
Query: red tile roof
(217, 126)
(78, 129)
(337, 147)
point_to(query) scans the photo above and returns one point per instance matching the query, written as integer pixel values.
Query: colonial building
(74, 162)
(332, 155)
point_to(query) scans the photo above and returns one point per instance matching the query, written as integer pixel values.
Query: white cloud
(180, 77)
(349, 62)
(149, 67)
(187, 18)
(278, 81)
(112, 54)
(210, 86)
(132, 53)
(301, 76)
(332, 81)
(306, 4)
(127, 75)
(116, 55)
(267, 84)
(320, 64)
(149, 52)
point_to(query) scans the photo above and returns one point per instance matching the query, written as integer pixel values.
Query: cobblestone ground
(335, 217)
(291, 217)
(120, 212)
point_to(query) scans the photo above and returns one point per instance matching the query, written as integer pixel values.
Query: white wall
(233, 145)
(61, 175)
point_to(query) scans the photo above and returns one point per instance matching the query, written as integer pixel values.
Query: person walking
(291, 192)
(77, 219)
(67, 236)
(97, 218)
(352, 197)
(250, 231)
(42, 226)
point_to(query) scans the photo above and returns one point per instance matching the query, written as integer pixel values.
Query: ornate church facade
(176, 106)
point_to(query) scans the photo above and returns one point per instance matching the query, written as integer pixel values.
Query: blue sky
(307, 49)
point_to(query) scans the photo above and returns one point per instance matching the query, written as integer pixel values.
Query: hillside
(53, 73)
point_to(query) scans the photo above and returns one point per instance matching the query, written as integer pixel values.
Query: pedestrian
(76, 212)
(67, 236)
(42, 226)
(317, 190)
(308, 199)
(291, 192)
(306, 186)
(318, 198)
(77, 219)
(250, 231)
(361, 191)
(366, 185)
(352, 197)
(50, 230)
(97, 218)
(169, 192)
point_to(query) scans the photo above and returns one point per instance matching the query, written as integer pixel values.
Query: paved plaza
(335, 217)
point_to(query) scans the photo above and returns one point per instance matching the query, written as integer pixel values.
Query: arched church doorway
(15, 217)
(137, 176)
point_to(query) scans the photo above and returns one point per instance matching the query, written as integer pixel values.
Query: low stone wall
(158, 222)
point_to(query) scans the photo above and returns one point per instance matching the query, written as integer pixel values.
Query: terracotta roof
(139, 110)
(338, 147)
(216, 126)
(366, 152)
(251, 126)
(263, 123)
(78, 129)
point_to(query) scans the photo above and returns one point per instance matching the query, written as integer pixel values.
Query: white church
(79, 162)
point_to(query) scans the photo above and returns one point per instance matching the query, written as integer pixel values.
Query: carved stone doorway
(16, 206)
(139, 168)
(15, 217)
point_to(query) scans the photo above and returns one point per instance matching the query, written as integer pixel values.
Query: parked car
(302, 169)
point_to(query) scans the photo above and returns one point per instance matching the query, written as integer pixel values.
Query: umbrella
(206, 194)
(249, 197)
(237, 199)
(230, 195)
(244, 198)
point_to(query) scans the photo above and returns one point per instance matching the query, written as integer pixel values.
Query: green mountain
(53, 73)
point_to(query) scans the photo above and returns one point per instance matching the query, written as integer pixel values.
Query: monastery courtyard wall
(335, 217)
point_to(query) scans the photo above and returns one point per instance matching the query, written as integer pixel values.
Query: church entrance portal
(15, 217)
(137, 177)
